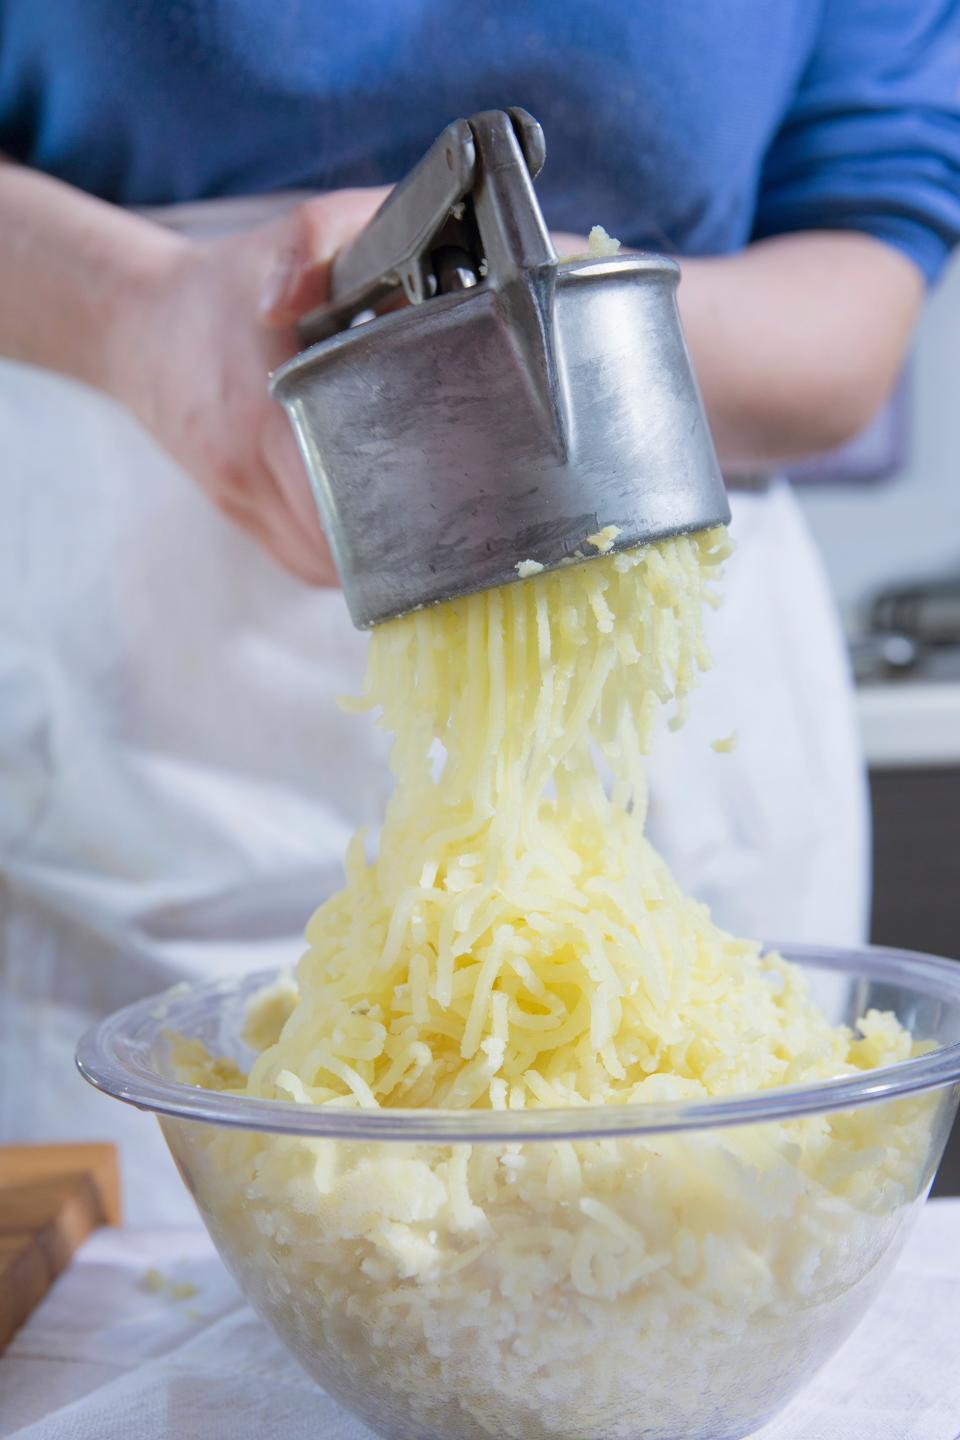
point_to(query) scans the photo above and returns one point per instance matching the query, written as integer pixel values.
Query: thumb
(305, 243)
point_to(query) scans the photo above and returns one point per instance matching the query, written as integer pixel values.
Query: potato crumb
(600, 244)
(156, 1283)
(727, 743)
(604, 539)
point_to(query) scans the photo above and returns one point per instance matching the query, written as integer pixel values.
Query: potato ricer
(517, 405)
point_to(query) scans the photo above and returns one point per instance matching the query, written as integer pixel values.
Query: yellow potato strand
(517, 941)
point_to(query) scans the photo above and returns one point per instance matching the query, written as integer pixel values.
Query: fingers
(304, 553)
(281, 459)
(306, 243)
(303, 533)
(282, 519)
(275, 532)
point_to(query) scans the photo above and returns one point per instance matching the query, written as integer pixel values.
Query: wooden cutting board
(51, 1197)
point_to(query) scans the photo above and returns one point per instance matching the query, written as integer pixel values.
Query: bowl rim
(107, 1057)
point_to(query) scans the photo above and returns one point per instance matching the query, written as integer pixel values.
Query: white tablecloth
(108, 1357)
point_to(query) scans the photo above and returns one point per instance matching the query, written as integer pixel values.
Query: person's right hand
(190, 350)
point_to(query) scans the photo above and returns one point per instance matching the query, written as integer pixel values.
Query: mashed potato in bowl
(677, 1288)
(516, 945)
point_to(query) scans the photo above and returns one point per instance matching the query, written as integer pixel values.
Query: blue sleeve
(872, 139)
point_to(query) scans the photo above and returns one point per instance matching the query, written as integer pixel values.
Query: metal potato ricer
(516, 406)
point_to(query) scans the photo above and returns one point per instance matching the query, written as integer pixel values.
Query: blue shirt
(686, 125)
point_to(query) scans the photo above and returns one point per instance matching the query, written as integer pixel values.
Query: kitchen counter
(913, 720)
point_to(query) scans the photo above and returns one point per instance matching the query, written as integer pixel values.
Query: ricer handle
(489, 163)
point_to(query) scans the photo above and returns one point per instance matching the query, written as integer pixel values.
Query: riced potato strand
(516, 933)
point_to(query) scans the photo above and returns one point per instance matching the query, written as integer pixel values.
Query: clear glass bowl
(655, 1272)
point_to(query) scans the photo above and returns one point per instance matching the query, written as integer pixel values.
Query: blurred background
(886, 514)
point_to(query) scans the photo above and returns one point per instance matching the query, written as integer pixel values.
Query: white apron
(177, 785)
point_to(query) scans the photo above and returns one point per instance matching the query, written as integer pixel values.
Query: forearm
(68, 264)
(797, 341)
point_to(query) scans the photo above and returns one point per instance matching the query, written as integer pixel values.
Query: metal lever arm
(392, 249)
(513, 233)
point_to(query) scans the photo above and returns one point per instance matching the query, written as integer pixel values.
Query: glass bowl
(654, 1272)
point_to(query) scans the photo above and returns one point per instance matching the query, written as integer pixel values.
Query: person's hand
(190, 350)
